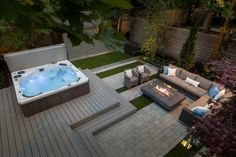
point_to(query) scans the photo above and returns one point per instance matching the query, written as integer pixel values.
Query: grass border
(118, 69)
(100, 60)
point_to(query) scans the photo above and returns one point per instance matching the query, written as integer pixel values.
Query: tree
(226, 9)
(156, 23)
(218, 130)
(224, 71)
(187, 54)
(64, 16)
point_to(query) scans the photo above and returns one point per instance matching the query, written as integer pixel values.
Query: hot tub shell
(39, 103)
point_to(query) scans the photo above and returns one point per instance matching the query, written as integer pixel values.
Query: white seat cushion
(129, 73)
(171, 72)
(192, 82)
(141, 68)
(219, 95)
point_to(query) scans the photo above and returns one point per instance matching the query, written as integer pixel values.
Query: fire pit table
(163, 94)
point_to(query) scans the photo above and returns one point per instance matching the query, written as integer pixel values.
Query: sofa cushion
(171, 72)
(140, 68)
(178, 70)
(184, 74)
(214, 90)
(129, 73)
(204, 83)
(175, 80)
(192, 82)
(165, 69)
(144, 75)
(200, 110)
(219, 95)
(196, 91)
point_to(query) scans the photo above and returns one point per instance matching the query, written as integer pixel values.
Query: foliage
(187, 54)
(226, 9)
(218, 130)
(221, 7)
(15, 38)
(64, 16)
(224, 72)
(157, 24)
(100, 60)
(3, 74)
(159, 61)
(228, 37)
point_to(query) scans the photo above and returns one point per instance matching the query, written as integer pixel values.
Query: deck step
(88, 131)
(93, 116)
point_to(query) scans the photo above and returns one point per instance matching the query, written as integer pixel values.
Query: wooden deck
(49, 133)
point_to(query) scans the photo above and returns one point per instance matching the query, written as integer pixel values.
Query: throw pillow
(200, 111)
(165, 70)
(219, 95)
(192, 82)
(129, 73)
(141, 68)
(171, 72)
(214, 90)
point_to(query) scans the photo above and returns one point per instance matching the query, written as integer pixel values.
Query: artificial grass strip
(118, 70)
(122, 89)
(141, 101)
(100, 60)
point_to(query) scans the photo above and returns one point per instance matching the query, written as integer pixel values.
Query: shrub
(224, 72)
(187, 54)
(218, 130)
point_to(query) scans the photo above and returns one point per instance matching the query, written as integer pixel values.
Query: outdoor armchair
(144, 73)
(130, 78)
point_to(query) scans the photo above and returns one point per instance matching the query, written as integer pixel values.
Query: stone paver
(115, 81)
(151, 131)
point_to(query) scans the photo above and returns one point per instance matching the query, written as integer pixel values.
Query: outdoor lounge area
(126, 78)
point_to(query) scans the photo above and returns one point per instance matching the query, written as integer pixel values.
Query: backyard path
(152, 131)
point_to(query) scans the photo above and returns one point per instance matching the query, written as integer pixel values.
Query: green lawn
(100, 60)
(141, 101)
(122, 89)
(118, 70)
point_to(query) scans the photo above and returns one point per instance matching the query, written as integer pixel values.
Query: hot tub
(42, 87)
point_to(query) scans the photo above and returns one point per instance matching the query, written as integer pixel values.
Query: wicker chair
(131, 81)
(143, 76)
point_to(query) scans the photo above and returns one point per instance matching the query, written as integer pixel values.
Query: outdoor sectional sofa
(200, 93)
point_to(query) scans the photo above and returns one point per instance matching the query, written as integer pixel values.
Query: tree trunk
(208, 22)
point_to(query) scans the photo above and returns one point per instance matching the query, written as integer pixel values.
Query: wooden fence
(204, 44)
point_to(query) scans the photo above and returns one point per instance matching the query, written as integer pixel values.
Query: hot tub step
(93, 116)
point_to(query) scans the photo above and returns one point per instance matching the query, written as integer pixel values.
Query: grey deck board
(42, 149)
(49, 133)
(22, 127)
(5, 144)
(44, 136)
